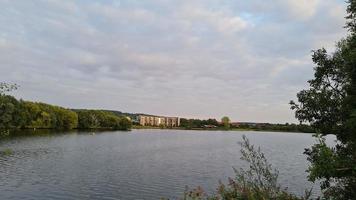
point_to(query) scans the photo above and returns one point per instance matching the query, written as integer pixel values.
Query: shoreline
(212, 129)
(5, 133)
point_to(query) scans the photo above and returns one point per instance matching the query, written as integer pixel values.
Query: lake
(140, 164)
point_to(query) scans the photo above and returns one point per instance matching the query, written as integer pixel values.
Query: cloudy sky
(189, 58)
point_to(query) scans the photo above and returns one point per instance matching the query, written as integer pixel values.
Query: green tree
(94, 119)
(212, 122)
(226, 122)
(41, 115)
(11, 115)
(329, 105)
(87, 119)
(125, 124)
(69, 119)
(11, 110)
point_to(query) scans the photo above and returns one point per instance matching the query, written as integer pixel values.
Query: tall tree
(11, 115)
(226, 122)
(329, 105)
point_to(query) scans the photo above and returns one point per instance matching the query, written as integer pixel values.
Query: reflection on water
(141, 164)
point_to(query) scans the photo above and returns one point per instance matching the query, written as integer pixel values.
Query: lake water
(140, 164)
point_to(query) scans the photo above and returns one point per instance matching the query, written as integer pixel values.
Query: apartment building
(146, 120)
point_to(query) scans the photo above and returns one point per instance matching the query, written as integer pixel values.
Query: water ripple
(138, 165)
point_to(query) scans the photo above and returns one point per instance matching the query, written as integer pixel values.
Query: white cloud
(221, 21)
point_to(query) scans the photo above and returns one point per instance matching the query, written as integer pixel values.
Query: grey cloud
(206, 58)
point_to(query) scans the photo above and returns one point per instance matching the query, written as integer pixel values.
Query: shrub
(258, 182)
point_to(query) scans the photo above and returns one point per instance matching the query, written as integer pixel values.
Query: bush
(259, 182)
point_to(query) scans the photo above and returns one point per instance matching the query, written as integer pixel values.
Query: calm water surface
(141, 164)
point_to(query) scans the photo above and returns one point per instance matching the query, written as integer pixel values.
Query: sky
(187, 58)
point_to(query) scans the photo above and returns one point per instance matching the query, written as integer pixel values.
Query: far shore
(10, 132)
(211, 129)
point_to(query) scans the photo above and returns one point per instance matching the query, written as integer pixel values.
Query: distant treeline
(17, 114)
(25, 114)
(278, 127)
(197, 123)
(202, 124)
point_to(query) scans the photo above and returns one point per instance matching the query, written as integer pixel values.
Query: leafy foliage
(40, 115)
(91, 119)
(25, 114)
(11, 112)
(329, 105)
(260, 175)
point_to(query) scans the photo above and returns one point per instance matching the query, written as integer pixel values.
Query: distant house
(147, 120)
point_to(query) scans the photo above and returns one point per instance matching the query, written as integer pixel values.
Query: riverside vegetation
(20, 114)
(259, 182)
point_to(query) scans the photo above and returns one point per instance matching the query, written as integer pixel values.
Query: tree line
(197, 123)
(227, 125)
(303, 128)
(20, 114)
